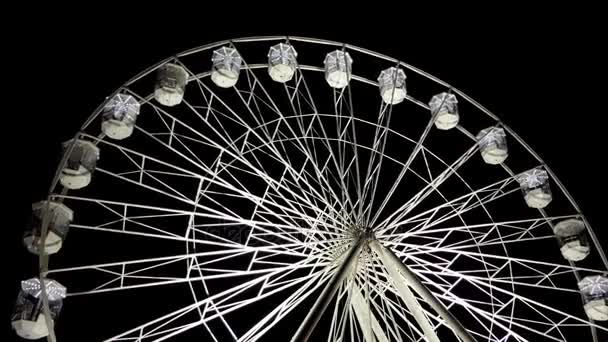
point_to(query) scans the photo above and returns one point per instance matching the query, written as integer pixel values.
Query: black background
(540, 70)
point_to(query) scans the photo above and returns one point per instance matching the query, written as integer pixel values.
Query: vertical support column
(405, 292)
(366, 318)
(313, 317)
(404, 277)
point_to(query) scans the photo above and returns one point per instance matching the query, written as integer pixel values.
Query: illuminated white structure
(261, 210)
(29, 320)
(226, 67)
(595, 291)
(493, 145)
(338, 69)
(58, 216)
(119, 116)
(535, 186)
(83, 156)
(392, 85)
(445, 107)
(170, 85)
(282, 62)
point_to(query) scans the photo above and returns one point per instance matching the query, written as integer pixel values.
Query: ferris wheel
(290, 188)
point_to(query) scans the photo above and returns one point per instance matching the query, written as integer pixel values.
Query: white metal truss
(248, 199)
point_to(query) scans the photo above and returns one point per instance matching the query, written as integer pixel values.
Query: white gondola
(171, 80)
(572, 237)
(534, 184)
(392, 85)
(445, 108)
(493, 145)
(119, 116)
(282, 62)
(595, 291)
(80, 164)
(226, 67)
(29, 320)
(338, 69)
(59, 219)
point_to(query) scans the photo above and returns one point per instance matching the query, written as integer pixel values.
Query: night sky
(541, 72)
